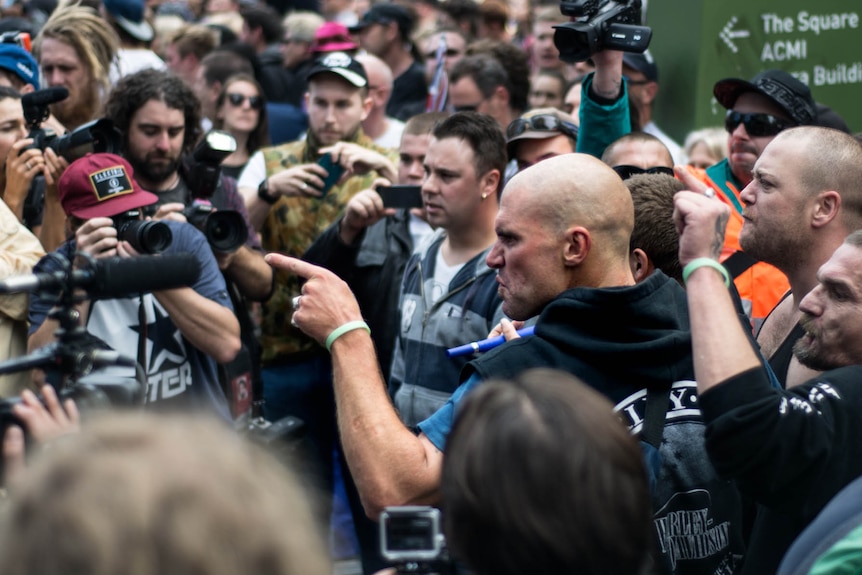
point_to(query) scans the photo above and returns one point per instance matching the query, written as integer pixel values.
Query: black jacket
(622, 341)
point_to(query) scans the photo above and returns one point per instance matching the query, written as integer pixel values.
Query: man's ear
(640, 264)
(367, 104)
(650, 91)
(578, 245)
(827, 206)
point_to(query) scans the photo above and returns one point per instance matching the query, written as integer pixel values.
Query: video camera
(97, 136)
(146, 236)
(411, 538)
(225, 230)
(600, 25)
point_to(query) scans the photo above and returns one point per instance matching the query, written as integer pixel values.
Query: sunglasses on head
(755, 124)
(541, 123)
(235, 99)
(626, 172)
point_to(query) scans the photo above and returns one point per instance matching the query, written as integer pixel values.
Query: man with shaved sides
(562, 254)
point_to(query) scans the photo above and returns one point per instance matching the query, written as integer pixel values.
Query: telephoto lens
(147, 237)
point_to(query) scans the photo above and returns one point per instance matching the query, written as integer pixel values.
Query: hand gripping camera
(600, 25)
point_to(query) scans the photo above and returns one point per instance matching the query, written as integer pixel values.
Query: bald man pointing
(561, 253)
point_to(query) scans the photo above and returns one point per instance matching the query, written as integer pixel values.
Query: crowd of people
(682, 402)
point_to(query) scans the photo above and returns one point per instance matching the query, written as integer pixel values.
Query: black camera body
(225, 230)
(600, 25)
(146, 236)
(97, 136)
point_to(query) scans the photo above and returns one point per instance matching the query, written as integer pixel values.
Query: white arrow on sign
(728, 34)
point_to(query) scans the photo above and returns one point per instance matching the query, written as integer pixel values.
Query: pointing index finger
(292, 265)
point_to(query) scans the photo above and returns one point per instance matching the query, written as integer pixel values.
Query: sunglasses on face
(626, 172)
(755, 124)
(235, 99)
(541, 123)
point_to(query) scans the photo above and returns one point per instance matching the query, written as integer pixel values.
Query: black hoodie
(622, 341)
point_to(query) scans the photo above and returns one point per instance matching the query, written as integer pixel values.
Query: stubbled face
(411, 158)
(832, 314)
(744, 148)
(335, 108)
(61, 66)
(155, 143)
(528, 257)
(452, 190)
(776, 206)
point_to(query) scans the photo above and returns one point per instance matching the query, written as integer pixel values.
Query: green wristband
(705, 263)
(342, 329)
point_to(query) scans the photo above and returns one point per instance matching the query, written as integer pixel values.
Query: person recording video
(177, 335)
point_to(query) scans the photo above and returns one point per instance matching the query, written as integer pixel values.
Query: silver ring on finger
(709, 193)
(295, 301)
(27, 165)
(304, 186)
(293, 320)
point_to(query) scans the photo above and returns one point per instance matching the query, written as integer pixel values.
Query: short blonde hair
(143, 494)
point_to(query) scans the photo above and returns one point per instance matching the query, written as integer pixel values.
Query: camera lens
(146, 237)
(226, 231)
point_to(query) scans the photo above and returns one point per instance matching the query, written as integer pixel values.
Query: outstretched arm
(391, 465)
(715, 328)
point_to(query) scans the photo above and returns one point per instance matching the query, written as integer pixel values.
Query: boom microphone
(115, 277)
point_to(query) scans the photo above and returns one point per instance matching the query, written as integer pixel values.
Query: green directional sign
(819, 42)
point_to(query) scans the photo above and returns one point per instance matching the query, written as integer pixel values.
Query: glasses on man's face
(626, 172)
(235, 99)
(757, 125)
(541, 123)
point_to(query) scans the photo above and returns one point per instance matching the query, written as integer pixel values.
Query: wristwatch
(263, 192)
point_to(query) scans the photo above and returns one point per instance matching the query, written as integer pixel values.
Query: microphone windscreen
(44, 97)
(124, 277)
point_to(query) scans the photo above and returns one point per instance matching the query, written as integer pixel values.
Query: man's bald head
(578, 190)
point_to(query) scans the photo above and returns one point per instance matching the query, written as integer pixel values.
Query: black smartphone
(401, 196)
(333, 170)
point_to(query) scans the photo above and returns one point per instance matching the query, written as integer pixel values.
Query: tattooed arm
(716, 331)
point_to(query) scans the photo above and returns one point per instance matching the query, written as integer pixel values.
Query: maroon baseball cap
(101, 185)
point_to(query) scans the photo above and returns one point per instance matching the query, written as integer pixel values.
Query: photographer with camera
(177, 335)
(160, 119)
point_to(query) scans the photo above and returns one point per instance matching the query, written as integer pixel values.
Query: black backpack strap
(657, 401)
(738, 263)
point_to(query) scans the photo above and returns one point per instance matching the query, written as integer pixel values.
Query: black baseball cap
(386, 14)
(793, 96)
(643, 63)
(343, 65)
